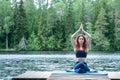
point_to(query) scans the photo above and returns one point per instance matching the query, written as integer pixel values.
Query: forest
(47, 25)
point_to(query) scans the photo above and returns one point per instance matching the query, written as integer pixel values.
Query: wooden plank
(114, 75)
(33, 75)
(77, 77)
(37, 75)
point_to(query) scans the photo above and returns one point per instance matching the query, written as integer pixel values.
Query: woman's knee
(79, 65)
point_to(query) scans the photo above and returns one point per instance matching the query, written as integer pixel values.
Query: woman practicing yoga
(81, 48)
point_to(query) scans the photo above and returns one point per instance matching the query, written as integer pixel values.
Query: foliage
(6, 23)
(48, 25)
(19, 22)
(33, 42)
(99, 38)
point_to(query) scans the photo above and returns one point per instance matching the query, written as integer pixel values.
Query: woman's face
(81, 39)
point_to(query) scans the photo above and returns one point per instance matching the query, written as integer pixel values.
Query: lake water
(14, 64)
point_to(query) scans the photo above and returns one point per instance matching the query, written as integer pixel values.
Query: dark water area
(13, 64)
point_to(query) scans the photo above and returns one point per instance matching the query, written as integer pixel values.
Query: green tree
(117, 23)
(69, 23)
(6, 27)
(50, 27)
(19, 22)
(100, 41)
(6, 22)
(58, 28)
(33, 42)
(22, 44)
(32, 15)
(43, 28)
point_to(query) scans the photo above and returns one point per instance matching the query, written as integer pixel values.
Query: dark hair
(84, 43)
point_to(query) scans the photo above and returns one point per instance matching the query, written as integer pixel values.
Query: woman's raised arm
(73, 38)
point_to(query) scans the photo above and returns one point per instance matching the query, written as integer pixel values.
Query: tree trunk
(116, 20)
(6, 41)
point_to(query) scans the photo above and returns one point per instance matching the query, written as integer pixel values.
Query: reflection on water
(15, 64)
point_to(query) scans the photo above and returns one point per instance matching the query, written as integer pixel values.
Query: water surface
(14, 64)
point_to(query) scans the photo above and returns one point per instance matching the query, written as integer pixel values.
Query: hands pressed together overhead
(81, 28)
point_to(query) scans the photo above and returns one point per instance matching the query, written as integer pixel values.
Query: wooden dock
(33, 75)
(114, 75)
(37, 75)
(76, 77)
